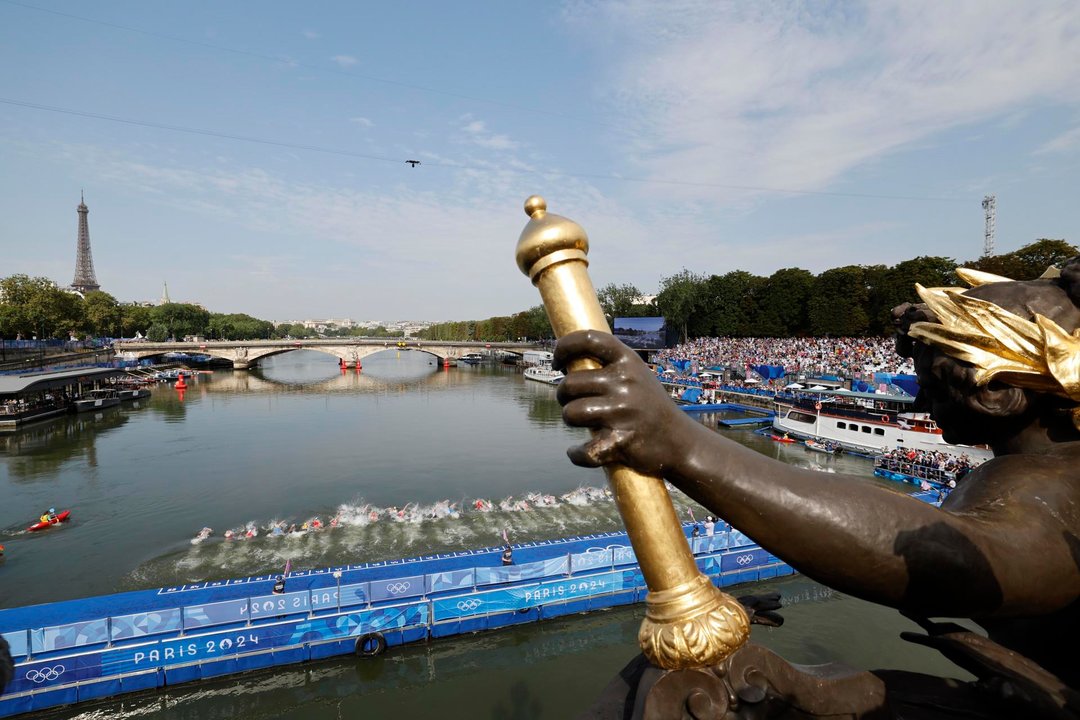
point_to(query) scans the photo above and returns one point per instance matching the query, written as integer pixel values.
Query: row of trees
(854, 300)
(851, 300)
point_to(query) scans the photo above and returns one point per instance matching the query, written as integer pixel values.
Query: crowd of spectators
(933, 465)
(844, 357)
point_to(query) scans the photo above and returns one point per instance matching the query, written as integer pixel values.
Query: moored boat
(473, 358)
(865, 423)
(544, 374)
(133, 393)
(97, 400)
(826, 446)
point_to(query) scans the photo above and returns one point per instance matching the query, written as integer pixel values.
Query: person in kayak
(49, 516)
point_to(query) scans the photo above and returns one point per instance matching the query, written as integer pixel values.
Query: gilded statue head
(993, 359)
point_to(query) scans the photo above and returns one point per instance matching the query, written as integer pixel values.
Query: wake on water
(358, 532)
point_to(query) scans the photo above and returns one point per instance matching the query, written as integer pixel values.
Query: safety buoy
(370, 645)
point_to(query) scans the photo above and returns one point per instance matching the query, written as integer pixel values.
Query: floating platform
(761, 416)
(80, 650)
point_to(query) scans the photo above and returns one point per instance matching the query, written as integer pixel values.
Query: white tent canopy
(793, 386)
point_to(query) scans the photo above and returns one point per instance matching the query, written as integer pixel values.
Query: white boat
(97, 400)
(544, 374)
(867, 423)
(473, 358)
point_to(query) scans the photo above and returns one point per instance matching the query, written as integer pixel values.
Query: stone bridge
(349, 351)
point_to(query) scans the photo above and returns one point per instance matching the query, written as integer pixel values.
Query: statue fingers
(583, 384)
(603, 449)
(600, 346)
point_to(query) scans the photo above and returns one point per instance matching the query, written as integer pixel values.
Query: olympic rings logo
(45, 674)
(398, 587)
(744, 559)
(470, 604)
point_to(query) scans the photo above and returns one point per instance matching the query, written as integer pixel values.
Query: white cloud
(1065, 142)
(477, 133)
(794, 95)
(344, 60)
(362, 121)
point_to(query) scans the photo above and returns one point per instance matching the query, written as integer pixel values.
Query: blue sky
(707, 135)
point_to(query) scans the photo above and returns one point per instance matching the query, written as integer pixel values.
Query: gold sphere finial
(548, 239)
(534, 204)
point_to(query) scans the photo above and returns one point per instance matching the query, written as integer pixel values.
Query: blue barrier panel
(42, 674)
(380, 619)
(743, 560)
(219, 613)
(623, 555)
(327, 598)
(18, 643)
(451, 580)
(517, 573)
(517, 598)
(148, 623)
(709, 565)
(397, 588)
(738, 539)
(283, 604)
(590, 560)
(61, 637)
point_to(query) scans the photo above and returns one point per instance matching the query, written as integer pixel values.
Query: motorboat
(133, 393)
(97, 400)
(544, 374)
(473, 358)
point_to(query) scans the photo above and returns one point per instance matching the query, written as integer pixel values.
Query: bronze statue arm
(849, 533)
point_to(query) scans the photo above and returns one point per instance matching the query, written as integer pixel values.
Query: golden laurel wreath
(1037, 355)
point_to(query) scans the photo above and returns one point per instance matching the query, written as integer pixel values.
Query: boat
(133, 394)
(864, 423)
(54, 520)
(473, 358)
(826, 446)
(783, 439)
(544, 374)
(97, 400)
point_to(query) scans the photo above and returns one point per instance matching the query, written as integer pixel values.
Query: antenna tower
(989, 206)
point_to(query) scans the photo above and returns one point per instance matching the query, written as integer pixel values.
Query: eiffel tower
(85, 280)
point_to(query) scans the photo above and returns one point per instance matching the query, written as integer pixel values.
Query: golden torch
(689, 623)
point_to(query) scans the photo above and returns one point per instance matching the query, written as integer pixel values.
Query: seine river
(297, 439)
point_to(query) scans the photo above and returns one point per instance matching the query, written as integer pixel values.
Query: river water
(297, 439)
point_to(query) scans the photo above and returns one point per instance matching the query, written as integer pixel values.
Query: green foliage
(681, 295)
(103, 314)
(622, 301)
(1027, 263)
(837, 304)
(36, 306)
(237, 326)
(182, 319)
(134, 319)
(157, 332)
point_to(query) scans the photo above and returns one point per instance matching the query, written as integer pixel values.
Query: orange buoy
(180, 384)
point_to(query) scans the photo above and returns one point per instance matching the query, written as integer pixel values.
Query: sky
(252, 154)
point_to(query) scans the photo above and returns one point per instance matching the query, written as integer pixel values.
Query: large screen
(642, 333)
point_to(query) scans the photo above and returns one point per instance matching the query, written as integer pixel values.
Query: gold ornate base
(692, 625)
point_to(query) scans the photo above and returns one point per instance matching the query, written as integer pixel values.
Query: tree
(618, 300)
(103, 314)
(680, 297)
(782, 301)
(838, 301)
(1027, 263)
(181, 319)
(37, 306)
(134, 319)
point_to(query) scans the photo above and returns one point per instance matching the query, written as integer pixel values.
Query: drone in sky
(413, 163)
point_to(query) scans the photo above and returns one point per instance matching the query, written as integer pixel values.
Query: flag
(505, 539)
(288, 565)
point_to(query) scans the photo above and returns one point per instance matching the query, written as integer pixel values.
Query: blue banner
(46, 673)
(451, 580)
(744, 560)
(277, 605)
(327, 598)
(61, 637)
(590, 560)
(397, 588)
(623, 555)
(517, 598)
(219, 613)
(17, 642)
(148, 623)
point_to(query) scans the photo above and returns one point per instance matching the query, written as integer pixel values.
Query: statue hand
(635, 422)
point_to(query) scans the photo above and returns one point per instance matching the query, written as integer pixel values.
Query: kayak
(777, 438)
(59, 518)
